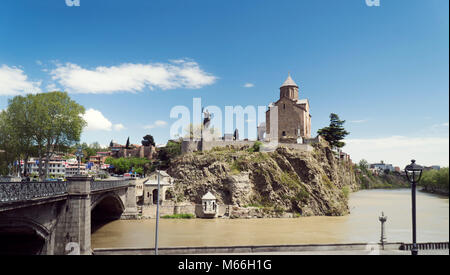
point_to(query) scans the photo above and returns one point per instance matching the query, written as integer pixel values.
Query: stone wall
(208, 145)
(193, 146)
(171, 208)
(189, 146)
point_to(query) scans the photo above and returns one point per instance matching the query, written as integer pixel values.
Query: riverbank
(436, 191)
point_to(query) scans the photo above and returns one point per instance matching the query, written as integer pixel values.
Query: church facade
(294, 119)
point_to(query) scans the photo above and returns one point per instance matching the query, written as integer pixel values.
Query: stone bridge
(55, 217)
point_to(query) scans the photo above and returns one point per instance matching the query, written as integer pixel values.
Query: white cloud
(399, 150)
(158, 123)
(130, 77)
(52, 87)
(96, 121)
(440, 125)
(249, 85)
(118, 127)
(14, 82)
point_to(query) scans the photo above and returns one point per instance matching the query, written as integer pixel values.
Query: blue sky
(382, 69)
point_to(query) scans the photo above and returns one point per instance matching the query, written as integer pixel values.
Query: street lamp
(413, 174)
(382, 219)
(157, 210)
(79, 155)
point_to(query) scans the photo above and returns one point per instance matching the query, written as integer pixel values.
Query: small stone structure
(151, 187)
(209, 206)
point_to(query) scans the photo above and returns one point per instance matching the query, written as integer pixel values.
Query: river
(361, 225)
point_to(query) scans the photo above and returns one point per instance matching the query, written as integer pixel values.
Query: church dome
(289, 82)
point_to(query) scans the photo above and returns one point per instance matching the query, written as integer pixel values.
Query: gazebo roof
(208, 196)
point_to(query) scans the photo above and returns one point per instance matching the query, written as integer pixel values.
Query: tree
(20, 115)
(59, 125)
(125, 165)
(363, 165)
(9, 147)
(167, 153)
(334, 133)
(41, 125)
(127, 145)
(148, 141)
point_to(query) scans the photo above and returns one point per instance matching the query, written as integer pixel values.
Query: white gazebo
(209, 205)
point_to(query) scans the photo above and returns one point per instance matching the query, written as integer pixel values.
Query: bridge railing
(107, 184)
(24, 191)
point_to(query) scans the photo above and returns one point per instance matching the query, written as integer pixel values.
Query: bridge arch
(23, 236)
(105, 208)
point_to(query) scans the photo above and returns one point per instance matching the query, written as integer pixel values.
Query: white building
(382, 166)
(151, 187)
(56, 167)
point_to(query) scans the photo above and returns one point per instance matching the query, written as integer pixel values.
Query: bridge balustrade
(107, 184)
(24, 191)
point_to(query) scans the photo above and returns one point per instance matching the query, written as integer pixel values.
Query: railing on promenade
(24, 191)
(426, 246)
(107, 184)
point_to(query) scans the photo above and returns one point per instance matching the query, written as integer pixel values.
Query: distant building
(72, 170)
(98, 160)
(133, 151)
(382, 166)
(56, 166)
(294, 119)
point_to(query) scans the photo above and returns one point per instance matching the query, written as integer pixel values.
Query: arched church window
(284, 133)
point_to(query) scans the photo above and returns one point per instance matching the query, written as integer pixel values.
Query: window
(284, 133)
(284, 106)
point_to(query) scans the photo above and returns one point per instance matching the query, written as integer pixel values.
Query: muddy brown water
(361, 225)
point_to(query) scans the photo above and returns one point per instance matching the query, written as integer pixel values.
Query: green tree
(167, 153)
(334, 133)
(148, 140)
(363, 165)
(59, 125)
(9, 147)
(40, 125)
(20, 115)
(436, 180)
(125, 165)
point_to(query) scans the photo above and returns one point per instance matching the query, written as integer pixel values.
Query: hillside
(267, 184)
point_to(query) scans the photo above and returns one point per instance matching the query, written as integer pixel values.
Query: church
(294, 119)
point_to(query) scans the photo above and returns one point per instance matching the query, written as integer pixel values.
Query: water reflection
(362, 225)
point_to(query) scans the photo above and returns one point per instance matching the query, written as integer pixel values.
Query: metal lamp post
(382, 219)
(413, 174)
(157, 211)
(79, 155)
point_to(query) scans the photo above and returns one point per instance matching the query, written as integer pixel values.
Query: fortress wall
(189, 146)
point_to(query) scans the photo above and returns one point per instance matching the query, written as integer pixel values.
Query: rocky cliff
(260, 184)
